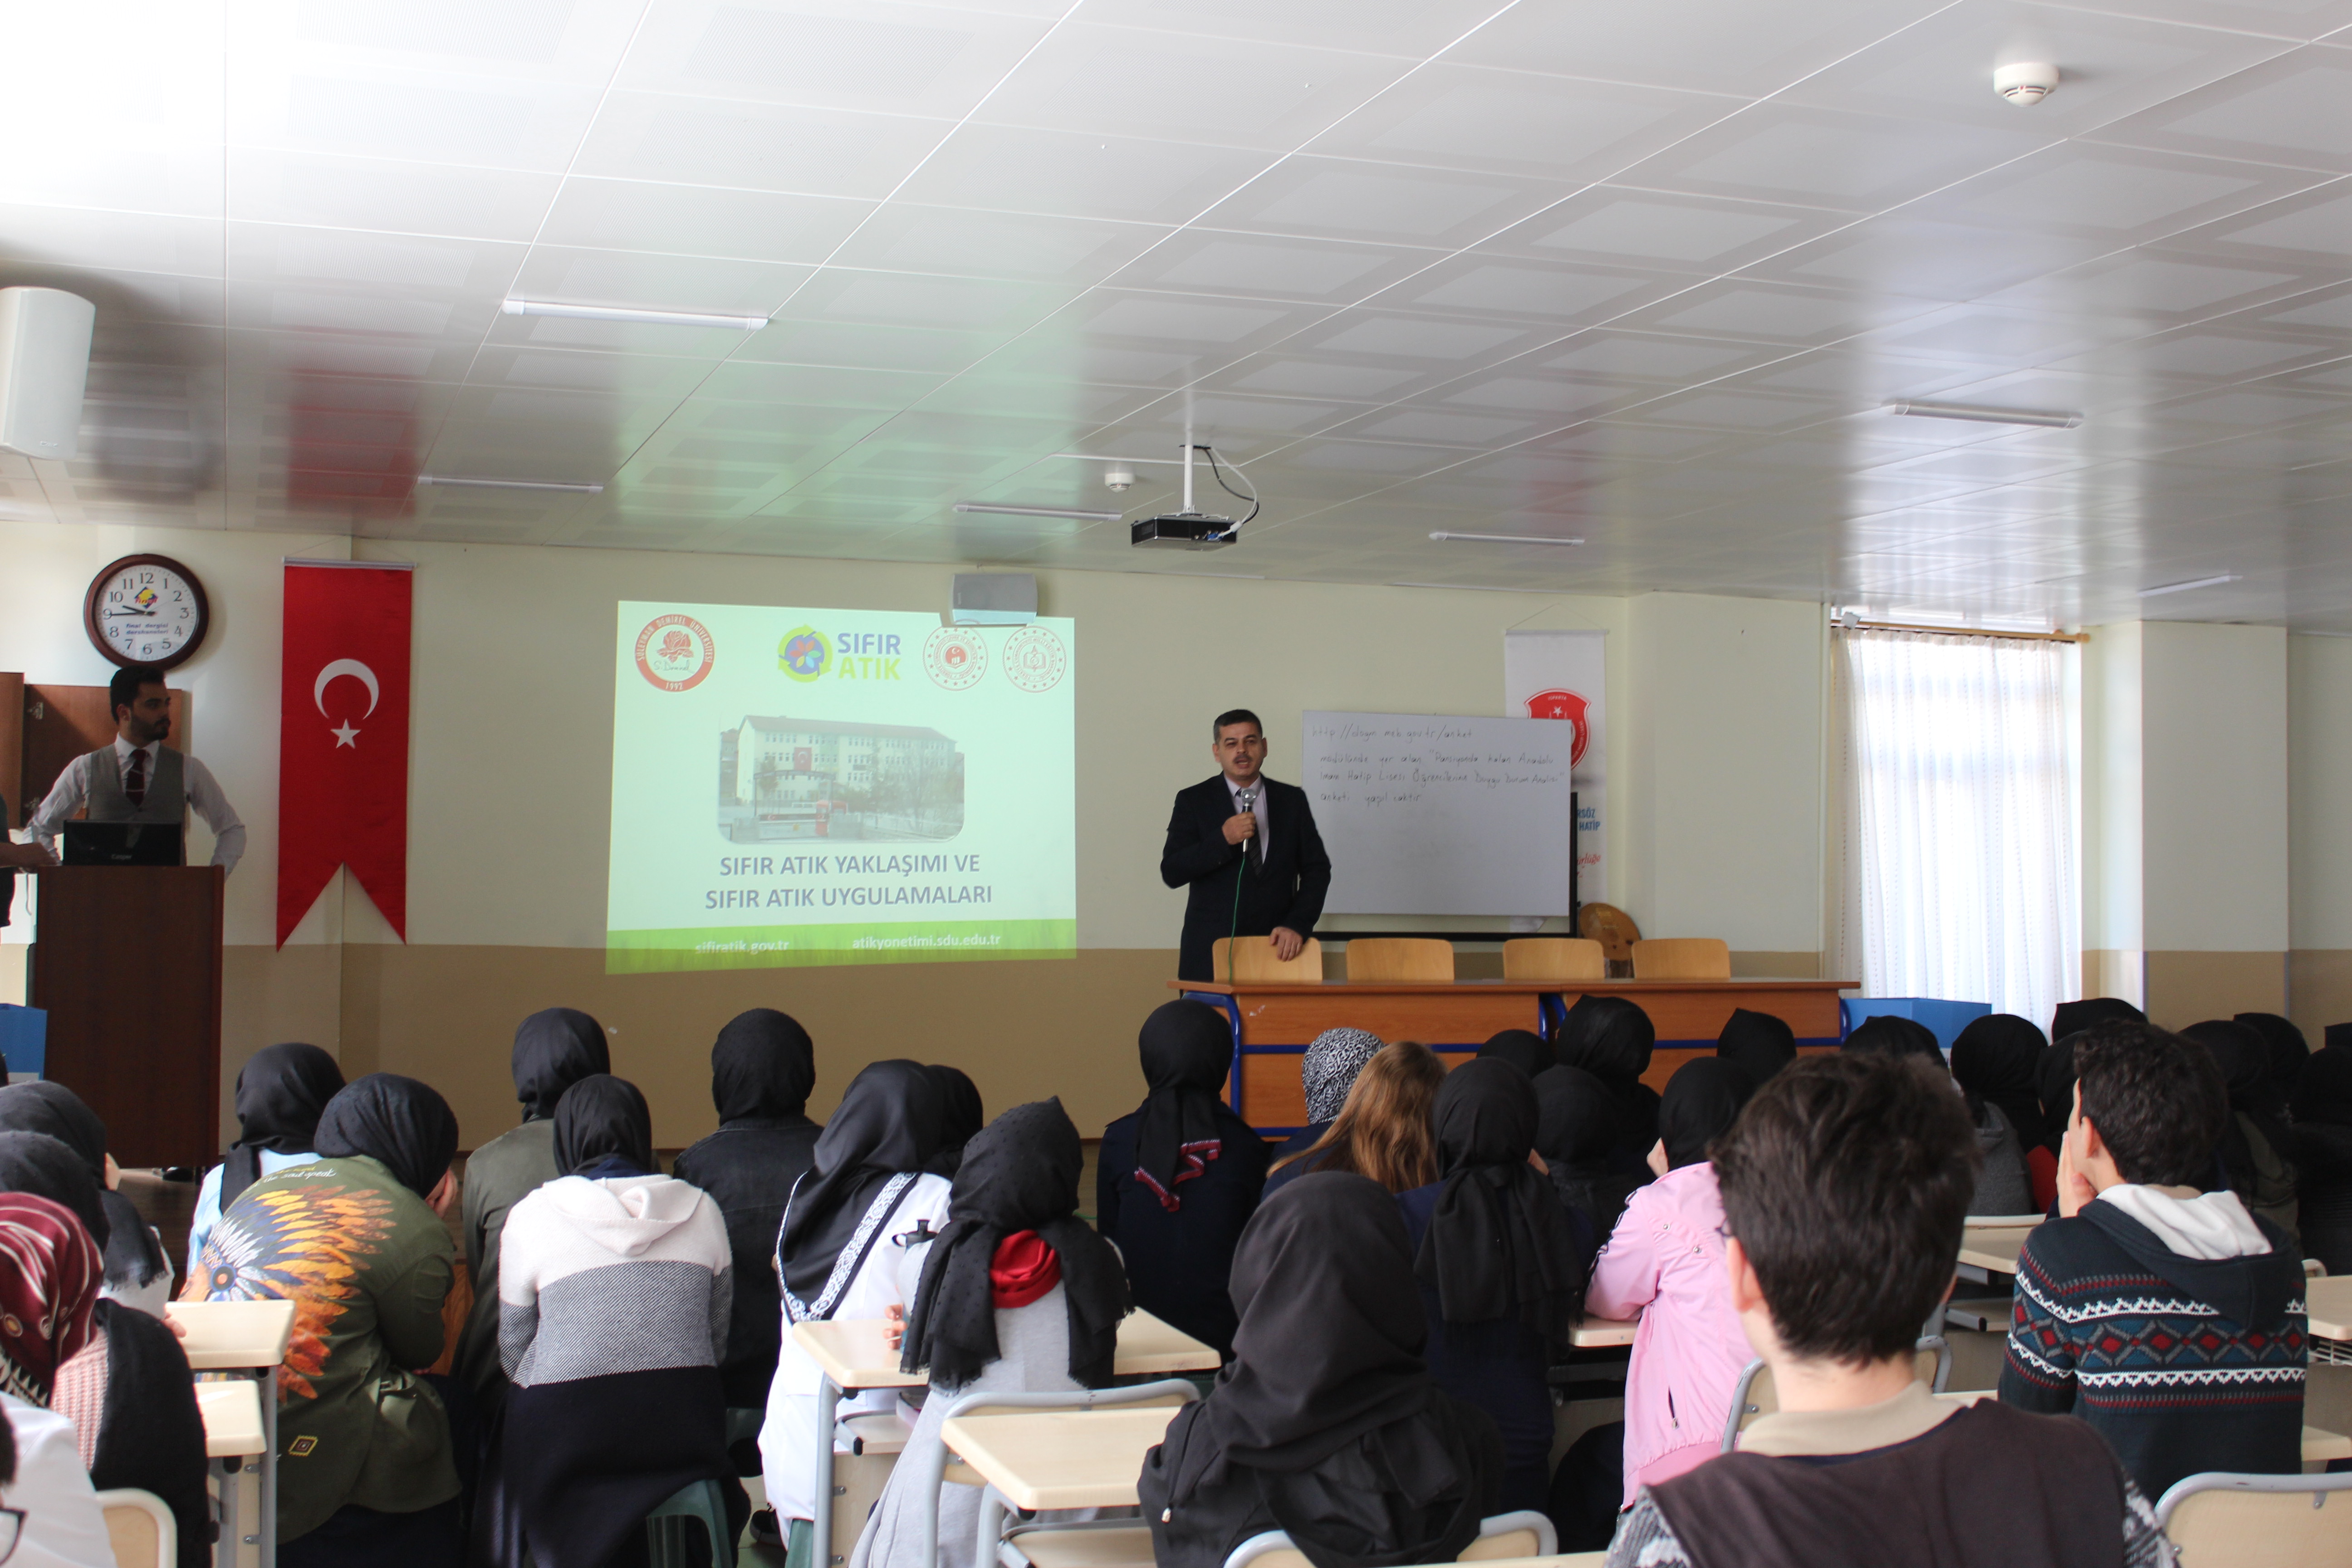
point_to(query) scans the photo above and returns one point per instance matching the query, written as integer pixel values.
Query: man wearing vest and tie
(138, 778)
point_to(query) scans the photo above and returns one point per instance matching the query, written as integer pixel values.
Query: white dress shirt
(72, 789)
(64, 1526)
(1265, 817)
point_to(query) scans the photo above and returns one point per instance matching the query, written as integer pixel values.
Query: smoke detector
(1118, 477)
(2026, 83)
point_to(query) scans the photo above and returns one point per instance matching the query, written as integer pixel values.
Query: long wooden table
(1272, 1025)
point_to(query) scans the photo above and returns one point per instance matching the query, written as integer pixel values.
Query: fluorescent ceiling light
(446, 482)
(1040, 512)
(1122, 462)
(1504, 538)
(1987, 413)
(622, 313)
(2184, 588)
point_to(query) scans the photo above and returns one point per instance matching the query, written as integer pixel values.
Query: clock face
(146, 609)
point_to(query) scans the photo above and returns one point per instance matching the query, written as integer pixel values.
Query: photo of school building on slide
(785, 778)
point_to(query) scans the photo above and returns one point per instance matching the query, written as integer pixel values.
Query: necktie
(134, 784)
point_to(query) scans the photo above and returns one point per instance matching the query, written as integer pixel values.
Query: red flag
(343, 739)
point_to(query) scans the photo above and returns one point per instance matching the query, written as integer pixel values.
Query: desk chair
(2258, 1522)
(1250, 961)
(993, 1545)
(1754, 1396)
(1400, 960)
(667, 1542)
(1682, 958)
(1531, 958)
(1506, 1537)
(139, 1528)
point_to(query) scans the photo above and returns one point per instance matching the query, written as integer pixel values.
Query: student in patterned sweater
(2171, 1319)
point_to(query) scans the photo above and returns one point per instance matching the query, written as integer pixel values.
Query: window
(1958, 857)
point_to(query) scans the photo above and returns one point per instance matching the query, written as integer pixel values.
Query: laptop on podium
(122, 844)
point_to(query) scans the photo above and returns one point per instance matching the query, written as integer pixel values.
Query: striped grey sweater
(625, 1274)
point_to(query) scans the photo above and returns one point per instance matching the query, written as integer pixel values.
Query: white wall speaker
(44, 363)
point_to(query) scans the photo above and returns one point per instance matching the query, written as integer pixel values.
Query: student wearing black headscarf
(1180, 1176)
(129, 1392)
(2074, 1017)
(763, 1068)
(1498, 1264)
(1017, 1294)
(613, 1307)
(1613, 1038)
(847, 1251)
(56, 1111)
(279, 1092)
(1522, 1049)
(1576, 1122)
(2257, 1149)
(1997, 1060)
(357, 1238)
(2288, 1049)
(961, 1116)
(1327, 1423)
(1702, 1100)
(2323, 1129)
(1758, 1044)
(553, 1049)
(1891, 1034)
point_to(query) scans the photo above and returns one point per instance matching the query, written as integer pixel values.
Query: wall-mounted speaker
(995, 598)
(44, 363)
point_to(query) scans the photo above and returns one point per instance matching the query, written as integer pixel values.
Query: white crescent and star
(345, 733)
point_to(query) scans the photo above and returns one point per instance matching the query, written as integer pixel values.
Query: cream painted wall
(2111, 793)
(2319, 792)
(2214, 787)
(1722, 738)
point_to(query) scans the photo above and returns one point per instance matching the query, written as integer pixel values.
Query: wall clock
(146, 609)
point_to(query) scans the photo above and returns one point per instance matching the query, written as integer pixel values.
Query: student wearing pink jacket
(1664, 1261)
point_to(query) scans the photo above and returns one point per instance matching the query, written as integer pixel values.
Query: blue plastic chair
(668, 1538)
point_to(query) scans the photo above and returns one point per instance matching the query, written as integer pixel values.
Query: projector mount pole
(1188, 475)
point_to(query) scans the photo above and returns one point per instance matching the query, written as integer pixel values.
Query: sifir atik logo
(807, 654)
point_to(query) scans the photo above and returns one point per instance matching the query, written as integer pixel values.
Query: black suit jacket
(1288, 892)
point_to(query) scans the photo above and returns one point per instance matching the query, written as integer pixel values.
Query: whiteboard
(1436, 814)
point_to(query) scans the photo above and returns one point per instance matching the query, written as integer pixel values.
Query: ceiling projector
(1191, 529)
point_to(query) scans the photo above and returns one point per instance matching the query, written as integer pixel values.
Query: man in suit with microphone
(1248, 848)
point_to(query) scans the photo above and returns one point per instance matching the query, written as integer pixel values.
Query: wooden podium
(127, 962)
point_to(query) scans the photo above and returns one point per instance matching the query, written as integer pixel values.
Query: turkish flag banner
(343, 738)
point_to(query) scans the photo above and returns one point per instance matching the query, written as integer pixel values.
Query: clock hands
(147, 614)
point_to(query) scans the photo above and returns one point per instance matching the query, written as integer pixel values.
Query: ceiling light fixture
(2163, 589)
(1040, 512)
(1987, 413)
(447, 481)
(1504, 538)
(623, 313)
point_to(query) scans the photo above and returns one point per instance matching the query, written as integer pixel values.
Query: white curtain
(1957, 854)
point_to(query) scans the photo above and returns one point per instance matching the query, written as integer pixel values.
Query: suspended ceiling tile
(1553, 294)
(682, 220)
(1074, 253)
(872, 55)
(1674, 233)
(1828, 159)
(637, 280)
(1708, 46)
(2116, 194)
(1308, 271)
(1021, 169)
(670, 138)
(1333, 198)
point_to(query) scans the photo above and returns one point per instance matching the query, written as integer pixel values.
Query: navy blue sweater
(2183, 1364)
(1178, 1261)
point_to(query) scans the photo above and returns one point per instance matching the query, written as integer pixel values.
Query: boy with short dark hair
(2171, 1319)
(1845, 1183)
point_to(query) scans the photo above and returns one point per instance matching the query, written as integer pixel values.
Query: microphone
(1246, 800)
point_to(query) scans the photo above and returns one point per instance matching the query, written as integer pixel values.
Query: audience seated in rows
(43, 1481)
(1384, 1129)
(1327, 1072)
(2257, 1150)
(1501, 1278)
(2170, 1321)
(763, 1068)
(836, 1254)
(613, 1304)
(2323, 1130)
(126, 1387)
(1180, 1176)
(1017, 1295)
(1995, 1059)
(1758, 1044)
(1522, 1049)
(2004, 1185)
(961, 1116)
(1844, 1187)
(1327, 1424)
(56, 1111)
(355, 1238)
(1612, 1039)
(1576, 1126)
(280, 1092)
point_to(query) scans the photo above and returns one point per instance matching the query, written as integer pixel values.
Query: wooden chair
(1251, 961)
(1682, 958)
(1554, 958)
(1400, 960)
(1754, 1396)
(1615, 929)
(1519, 1537)
(2258, 1522)
(139, 1528)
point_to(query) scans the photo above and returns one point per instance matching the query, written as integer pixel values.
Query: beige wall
(510, 769)
(2319, 798)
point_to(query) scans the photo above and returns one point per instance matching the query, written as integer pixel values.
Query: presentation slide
(801, 786)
